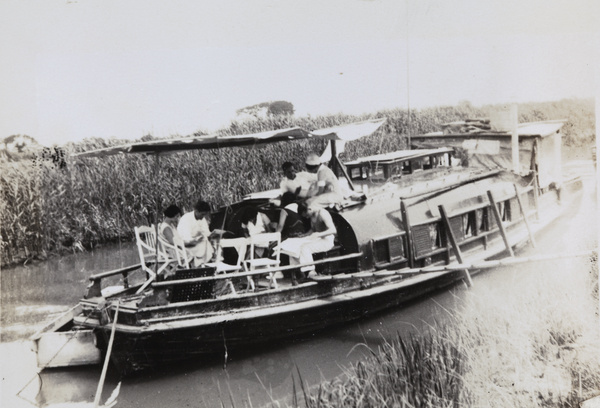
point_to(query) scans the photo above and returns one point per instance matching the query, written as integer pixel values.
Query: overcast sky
(99, 68)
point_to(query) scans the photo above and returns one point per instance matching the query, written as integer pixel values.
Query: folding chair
(265, 241)
(240, 245)
(175, 251)
(146, 244)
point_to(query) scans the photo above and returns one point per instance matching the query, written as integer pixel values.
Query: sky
(74, 69)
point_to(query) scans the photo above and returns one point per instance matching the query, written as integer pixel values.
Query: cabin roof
(530, 129)
(344, 132)
(399, 155)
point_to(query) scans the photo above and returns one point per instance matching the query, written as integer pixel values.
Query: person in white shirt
(327, 190)
(194, 229)
(297, 183)
(320, 238)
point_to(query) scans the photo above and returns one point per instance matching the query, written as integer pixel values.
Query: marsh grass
(45, 209)
(524, 348)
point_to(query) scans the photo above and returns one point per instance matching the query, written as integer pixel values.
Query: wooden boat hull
(154, 346)
(164, 335)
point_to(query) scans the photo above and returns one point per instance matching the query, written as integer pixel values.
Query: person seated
(297, 183)
(326, 191)
(255, 222)
(319, 238)
(167, 230)
(291, 224)
(194, 229)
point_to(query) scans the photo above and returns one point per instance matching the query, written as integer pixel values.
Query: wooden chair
(266, 241)
(147, 251)
(175, 251)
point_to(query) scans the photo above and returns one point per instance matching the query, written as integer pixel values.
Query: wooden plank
(531, 237)
(66, 349)
(409, 237)
(114, 272)
(499, 223)
(454, 242)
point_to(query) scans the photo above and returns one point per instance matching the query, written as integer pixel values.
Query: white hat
(312, 160)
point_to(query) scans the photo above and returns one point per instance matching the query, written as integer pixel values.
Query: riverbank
(538, 348)
(522, 339)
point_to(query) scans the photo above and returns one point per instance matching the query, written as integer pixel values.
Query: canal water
(35, 293)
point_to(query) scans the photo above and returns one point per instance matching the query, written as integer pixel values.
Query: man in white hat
(327, 190)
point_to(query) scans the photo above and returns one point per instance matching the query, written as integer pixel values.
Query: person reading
(194, 229)
(319, 238)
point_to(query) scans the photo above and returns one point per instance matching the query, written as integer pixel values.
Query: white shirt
(190, 228)
(303, 179)
(327, 179)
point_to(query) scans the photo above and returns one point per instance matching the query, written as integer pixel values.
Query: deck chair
(146, 245)
(175, 251)
(266, 240)
(240, 245)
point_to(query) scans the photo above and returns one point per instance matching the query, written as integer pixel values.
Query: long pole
(156, 208)
(531, 237)
(408, 78)
(106, 360)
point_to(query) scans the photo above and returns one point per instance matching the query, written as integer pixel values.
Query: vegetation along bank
(47, 208)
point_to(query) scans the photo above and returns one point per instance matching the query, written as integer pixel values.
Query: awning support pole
(454, 243)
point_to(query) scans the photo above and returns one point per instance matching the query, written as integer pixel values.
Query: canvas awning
(345, 132)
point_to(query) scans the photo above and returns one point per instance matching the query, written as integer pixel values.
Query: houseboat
(413, 221)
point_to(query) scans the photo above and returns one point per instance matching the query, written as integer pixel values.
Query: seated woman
(319, 238)
(167, 231)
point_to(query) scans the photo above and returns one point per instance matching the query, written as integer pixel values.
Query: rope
(40, 369)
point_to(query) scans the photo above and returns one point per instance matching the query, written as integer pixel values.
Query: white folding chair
(147, 251)
(264, 241)
(174, 251)
(240, 245)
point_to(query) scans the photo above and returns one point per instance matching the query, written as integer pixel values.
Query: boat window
(435, 236)
(481, 221)
(388, 250)
(427, 164)
(391, 170)
(377, 172)
(504, 210)
(469, 224)
(406, 167)
(417, 165)
(359, 173)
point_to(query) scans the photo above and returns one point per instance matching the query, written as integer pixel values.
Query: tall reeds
(46, 208)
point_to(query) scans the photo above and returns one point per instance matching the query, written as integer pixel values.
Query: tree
(281, 108)
(267, 109)
(258, 110)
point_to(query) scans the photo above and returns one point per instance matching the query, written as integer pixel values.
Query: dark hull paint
(137, 350)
